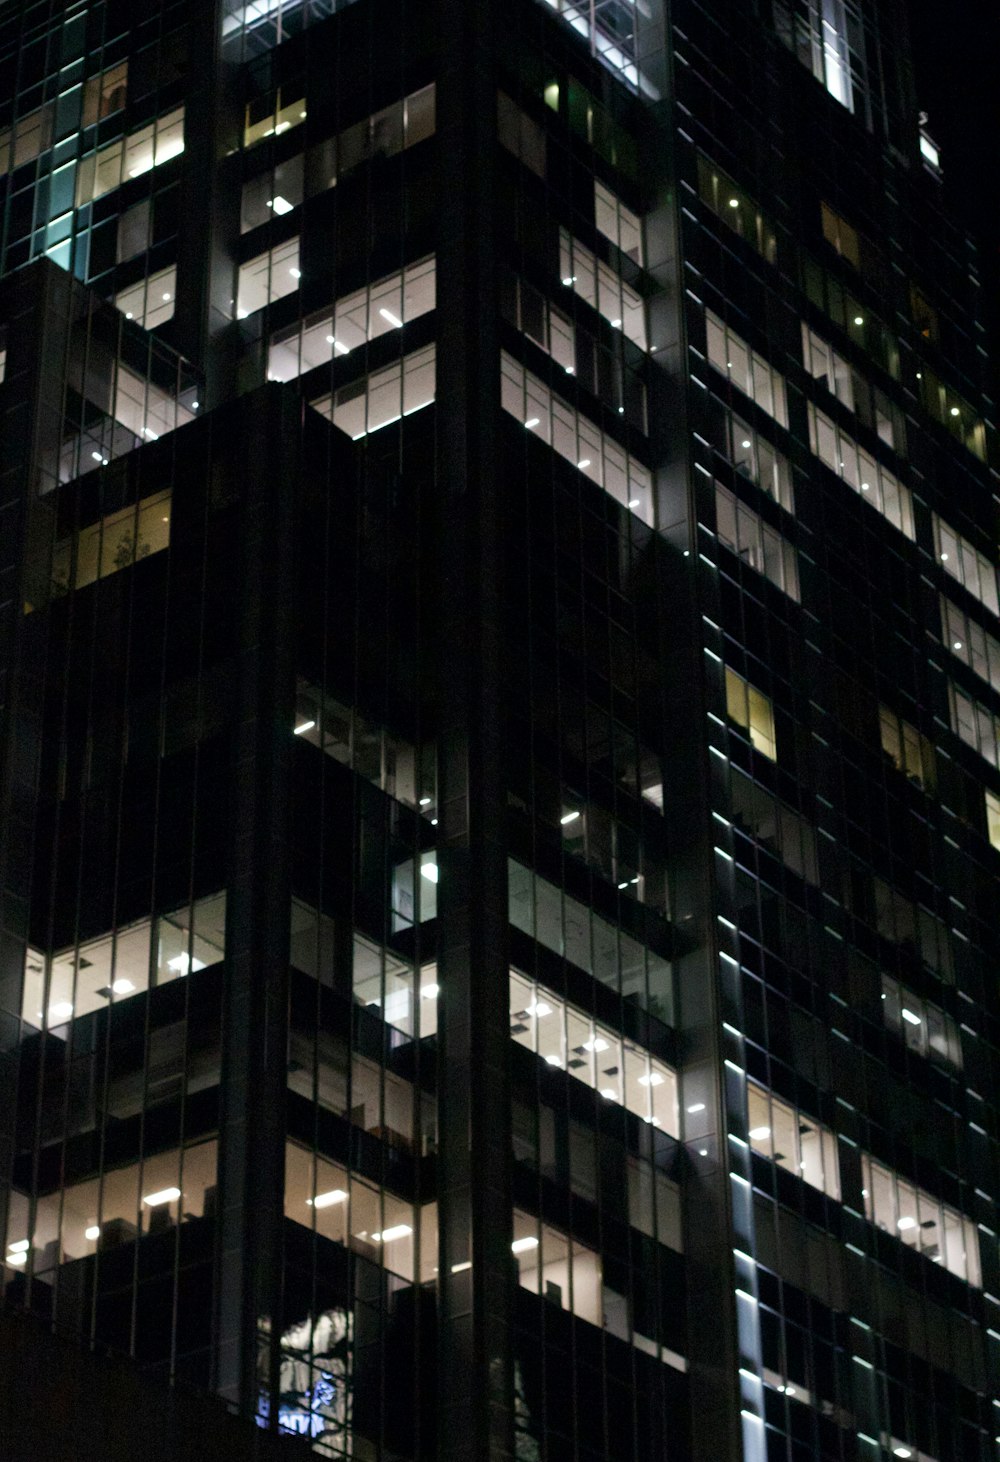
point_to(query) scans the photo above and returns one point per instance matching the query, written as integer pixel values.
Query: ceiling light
(910, 1016)
(184, 964)
(539, 1008)
(281, 127)
(532, 421)
(165, 1195)
(152, 435)
(61, 1010)
(19, 1246)
(944, 558)
(696, 1107)
(745, 446)
(759, 1134)
(584, 462)
(122, 987)
(425, 802)
(17, 1258)
(609, 1093)
(957, 645)
(429, 871)
(195, 405)
(954, 411)
(522, 1246)
(859, 320)
(93, 1232)
(616, 324)
(328, 1199)
(570, 279)
(703, 1152)
(734, 203)
(397, 1231)
(96, 456)
(430, 992)
(305, 726)
(901, 1452)
(568, 817)
(129, 315)
(553, 1060)
(905, 1223)
(295, 273)
(166, 295)
(394, 320)
(597, 1044)
(280, 205)
(633, 502)
(652, 1079)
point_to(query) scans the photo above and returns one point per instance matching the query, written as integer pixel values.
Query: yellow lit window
(910, 752)
(752, 710)
(993, 818)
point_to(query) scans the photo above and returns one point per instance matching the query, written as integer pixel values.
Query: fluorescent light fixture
(19, 1246)
(957, 645)
(394, 320)
(901, 1452)
(859, 319)
(96, 456)
(151, 434)
(653, 1079)
(583, 462)
(425, 802)
(568, 817)
(338, 346)
(624, 885)
(184, 964)
(93, 1232)
(17, 1258)
(703, 1152)
(696, 1107)
(166, 296)
(597, 1044)
(532, 421)
(429, 871)
(905, 1223)
(280, 205)
(759, 1134)
(539, 1008)
(745, 446)
(397, 1231)
(306, 726)
(910, 1016)
(122, 987)
(461, 1267)
(295, 273)
(164, 1195)
(955, 411)
(734, 203)
(430, 992)
(61, 1010)
(633, 502)
(328, 1199)
(609, 1093)
(570, 279)
(525, 1245)
(553, 1060)
(282, 127)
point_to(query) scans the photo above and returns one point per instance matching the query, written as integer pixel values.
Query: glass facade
(497, 838)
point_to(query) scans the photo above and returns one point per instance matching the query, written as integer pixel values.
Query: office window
(390, 762)
(749, 371)
(612, 31)
(774, 825)
(920, 1221)
(870, 404)
(272, 194)
(972, 569)
(793, 1140)
(271, 116)
(754, 457)
(971, 644)
(386, 304)
(576, 438)
(104, 94)
(952, 411)
(909, 751)
(134, 231)
(760, 546)
(268, 277)
(825, 35)
(992, 817)
(79, 980)
(346, 1209)
(30, 136)
(569, 1039)
(925, 1029)
(752, 712)
(378, 400)
(520, 135)
(737, 209)
(975, 724)
(618, 223)
(840, 234)
(113, 543)
(598, 284)
(151, 301)
(859, 469)
(130, 157)
(860, 324)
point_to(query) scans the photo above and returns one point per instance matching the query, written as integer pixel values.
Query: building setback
(500, 755)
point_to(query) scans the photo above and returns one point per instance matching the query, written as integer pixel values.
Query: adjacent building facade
(500, 772)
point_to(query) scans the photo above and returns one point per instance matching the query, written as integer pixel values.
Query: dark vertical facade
(500, 773)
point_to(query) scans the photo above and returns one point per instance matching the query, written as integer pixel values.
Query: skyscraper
(500, 778)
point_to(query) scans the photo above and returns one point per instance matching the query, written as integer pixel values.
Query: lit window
(793, 1140)
(736, 209)
(839, 233)
(602, 288)
(576, 438)
(963, 562)
(757, 544)
(747, 370)
(752, 711)
(272, 118)
(920, 1221)
(993, 818)
(567, 1038)
(975, 724)
(909, 751)
(774, 825)
(400, 389)
(613, 31)
(130, 157)
(754, 457)
(383, 306)
(618, 223)
(925, 1029)
(870, 480)
(817, 31)
(268, 277)
(150, 302)
(104, 94)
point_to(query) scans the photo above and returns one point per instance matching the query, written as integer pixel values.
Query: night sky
(957, 54)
